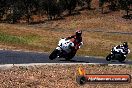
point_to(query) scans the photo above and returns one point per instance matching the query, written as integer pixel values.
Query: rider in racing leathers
(121, 49)
(77, 40)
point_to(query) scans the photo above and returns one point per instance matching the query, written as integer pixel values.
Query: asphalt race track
(19, 57)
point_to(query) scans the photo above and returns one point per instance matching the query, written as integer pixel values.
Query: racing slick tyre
(122, 59)
(70, 56)
(53, 55)
(68, 59)
(81, 80)
(109, 57)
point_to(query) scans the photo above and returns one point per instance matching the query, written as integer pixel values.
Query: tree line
(117, 4)
(13, 10)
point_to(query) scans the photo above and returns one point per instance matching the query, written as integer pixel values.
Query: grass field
(98, 40)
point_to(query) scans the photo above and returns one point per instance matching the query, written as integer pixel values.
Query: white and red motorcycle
(65, 50)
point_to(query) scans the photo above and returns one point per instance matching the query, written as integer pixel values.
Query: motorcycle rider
(77, 40)
(67, 47)
(123, 49)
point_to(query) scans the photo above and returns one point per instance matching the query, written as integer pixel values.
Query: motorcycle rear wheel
(122, 59)
(68, 59)
(70, 56)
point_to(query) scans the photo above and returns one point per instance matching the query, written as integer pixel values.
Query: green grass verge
(12, 39)
(7, 38)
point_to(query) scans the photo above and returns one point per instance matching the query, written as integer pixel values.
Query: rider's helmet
(125, 45)
(78, 33)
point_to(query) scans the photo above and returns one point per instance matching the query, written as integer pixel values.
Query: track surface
(19, 57)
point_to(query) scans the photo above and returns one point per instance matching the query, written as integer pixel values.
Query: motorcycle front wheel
(109, 57)
(54, 54)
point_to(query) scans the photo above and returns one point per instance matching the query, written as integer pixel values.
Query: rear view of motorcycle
(63, 50)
